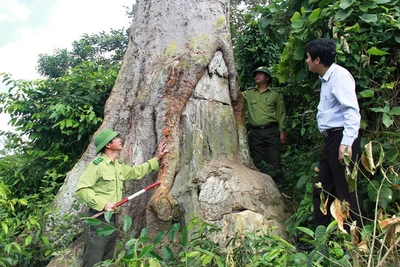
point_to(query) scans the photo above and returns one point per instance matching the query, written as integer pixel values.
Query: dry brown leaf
(389, 222)
(338, 214)
(362, 246)
(365, 162)
(395, 186)
(355, 237)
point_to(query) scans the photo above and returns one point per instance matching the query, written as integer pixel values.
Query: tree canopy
(56, 116)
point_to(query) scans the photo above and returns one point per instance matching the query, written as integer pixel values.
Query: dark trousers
(98, 248)
(333, 179)
(265, 148)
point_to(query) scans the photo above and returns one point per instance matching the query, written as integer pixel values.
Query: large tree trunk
(178, 84)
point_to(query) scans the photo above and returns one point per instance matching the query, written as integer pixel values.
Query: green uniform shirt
(103, 179)
(265, 108)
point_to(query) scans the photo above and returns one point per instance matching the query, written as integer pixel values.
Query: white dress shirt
(338, 106)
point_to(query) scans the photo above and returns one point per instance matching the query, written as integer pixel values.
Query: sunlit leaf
(45, 241)
(206, 260)
(28, 240)
(376, 52)
(367, 93)
(314, 15)
(4, 226)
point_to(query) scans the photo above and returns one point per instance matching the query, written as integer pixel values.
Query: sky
(32, 27)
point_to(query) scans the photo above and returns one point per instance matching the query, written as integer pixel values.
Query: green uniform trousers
(265, 148)
(98, 248)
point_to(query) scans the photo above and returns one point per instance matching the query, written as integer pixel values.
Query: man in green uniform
(100, 187)
(266, 116)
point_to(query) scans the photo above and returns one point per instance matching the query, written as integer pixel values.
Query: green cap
(263, 70)
(103, 138)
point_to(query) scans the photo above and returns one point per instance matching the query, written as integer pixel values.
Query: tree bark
(177, 83)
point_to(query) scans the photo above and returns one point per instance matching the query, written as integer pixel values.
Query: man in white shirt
(338, 120)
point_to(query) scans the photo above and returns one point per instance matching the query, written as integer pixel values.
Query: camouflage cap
(103, 138)
(263, 70)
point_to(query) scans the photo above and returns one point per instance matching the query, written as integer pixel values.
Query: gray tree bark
(178, 84)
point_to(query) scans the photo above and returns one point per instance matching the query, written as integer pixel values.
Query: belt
(331, 131)
(263, 127)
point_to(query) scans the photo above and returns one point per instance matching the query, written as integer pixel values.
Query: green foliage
(58, 117)
(53, 119)
(367, 44)
(101, 49)
(21, 239)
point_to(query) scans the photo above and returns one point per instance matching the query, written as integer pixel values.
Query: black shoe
(305, 247)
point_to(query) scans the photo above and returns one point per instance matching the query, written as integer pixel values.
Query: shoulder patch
(97, 160)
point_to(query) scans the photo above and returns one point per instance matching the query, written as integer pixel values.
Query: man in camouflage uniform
(266, 116)
(100, 187)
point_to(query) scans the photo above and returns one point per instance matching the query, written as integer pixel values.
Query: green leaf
(354, 28)
(395, 111)
(159, 237)
(108, 215)
(193, 254)
(372, 189)
(392, 154)
(380, 2)
(306, 231)
(92, 221)
(68, 122)
(184, 237)
(155, 255)
(17, 246)
(369, 18)
(343, 14)
(314, 15)
(385, 109)
(4, 226)
(28, 240)
(105, 231)
(385, 196)
(174, 229)
(297, 22)
(144, 232)
(127, 223)
(45, 241)
(168, 254)
(376, 52)
(346, 4)
(299, 53)
(387, 121)
(207, 259)
(367, 93)
(145, 250)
